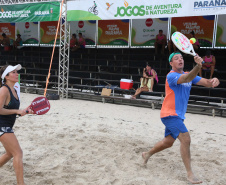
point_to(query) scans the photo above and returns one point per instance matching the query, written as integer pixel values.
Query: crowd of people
(75, 43)
(5, 42)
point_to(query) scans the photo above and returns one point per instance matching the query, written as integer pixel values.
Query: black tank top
(9, 120)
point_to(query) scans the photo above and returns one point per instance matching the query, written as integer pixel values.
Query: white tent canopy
(133, 9)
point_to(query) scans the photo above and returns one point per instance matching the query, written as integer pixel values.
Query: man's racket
(40, 105)
(183, 43)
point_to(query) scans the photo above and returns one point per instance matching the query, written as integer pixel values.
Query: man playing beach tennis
(177, 87)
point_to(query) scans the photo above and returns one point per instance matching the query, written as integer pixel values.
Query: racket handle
(26, 112)
(202, 61)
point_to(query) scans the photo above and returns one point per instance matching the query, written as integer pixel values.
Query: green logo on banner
(130, 11)
(148, 10)
(32, 12)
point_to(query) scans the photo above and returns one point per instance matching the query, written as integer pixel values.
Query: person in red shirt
(148, 80)
(160, 42)
(73, 41)
(81, 43)
(209, 64)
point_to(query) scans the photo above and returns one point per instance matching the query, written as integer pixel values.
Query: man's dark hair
(208, 53)
(3, 34)
(193, 33)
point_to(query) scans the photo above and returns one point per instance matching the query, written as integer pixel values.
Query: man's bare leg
(185, 141)
(161, 145)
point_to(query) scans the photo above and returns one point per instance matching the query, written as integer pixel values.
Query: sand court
(90, 143)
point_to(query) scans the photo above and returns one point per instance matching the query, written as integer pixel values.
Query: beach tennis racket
(40, 105)
(183, 43)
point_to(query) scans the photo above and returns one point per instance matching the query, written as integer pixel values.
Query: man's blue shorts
(174, 126)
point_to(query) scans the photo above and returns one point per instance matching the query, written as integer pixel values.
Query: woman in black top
(9, 108)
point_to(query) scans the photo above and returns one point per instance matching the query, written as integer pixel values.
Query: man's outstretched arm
(209, 82)
(185, 78)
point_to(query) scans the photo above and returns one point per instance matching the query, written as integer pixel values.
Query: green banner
(32, 12)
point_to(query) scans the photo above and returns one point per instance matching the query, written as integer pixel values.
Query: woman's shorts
(147, 82)
(174, 126)
(4, 130)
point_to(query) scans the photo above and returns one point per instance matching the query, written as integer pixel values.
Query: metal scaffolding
(64, 54)
(64, 48)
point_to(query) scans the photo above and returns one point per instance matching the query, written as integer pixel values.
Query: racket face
(40, 105)
(182, 43)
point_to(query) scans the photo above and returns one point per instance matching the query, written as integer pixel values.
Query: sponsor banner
(221, 31)
(198, 24)
(144, 31)
(48, 32)
(31, 12)
(87, 28)
(133, 9)
(9, 30)
(113, 32)
(28, 32)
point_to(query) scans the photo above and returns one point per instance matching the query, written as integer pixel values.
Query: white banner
(87, 28)
(133, 9)
(144, 31)
(221, 33)
(28, 32)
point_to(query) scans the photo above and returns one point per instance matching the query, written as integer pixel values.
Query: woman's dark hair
(3, 34)
(74, 35)
(1, 72)
(208, 53)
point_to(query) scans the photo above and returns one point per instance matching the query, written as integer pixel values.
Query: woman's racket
(183, 43)
(40, 105)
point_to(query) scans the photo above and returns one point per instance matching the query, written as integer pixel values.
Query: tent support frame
(64, 53)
